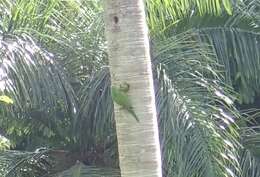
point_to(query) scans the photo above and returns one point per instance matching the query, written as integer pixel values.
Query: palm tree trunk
(129, 58)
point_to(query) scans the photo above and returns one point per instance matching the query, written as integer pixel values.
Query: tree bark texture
(129, 60)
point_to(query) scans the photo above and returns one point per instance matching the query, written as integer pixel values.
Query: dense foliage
(205, 57)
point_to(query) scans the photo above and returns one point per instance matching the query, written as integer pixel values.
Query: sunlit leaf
(6, 99)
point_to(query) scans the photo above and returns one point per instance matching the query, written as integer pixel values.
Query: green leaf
(6, 99)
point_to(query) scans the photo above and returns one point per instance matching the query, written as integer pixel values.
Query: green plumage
(121, 98)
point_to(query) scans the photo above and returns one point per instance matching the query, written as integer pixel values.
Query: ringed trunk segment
(129, 60)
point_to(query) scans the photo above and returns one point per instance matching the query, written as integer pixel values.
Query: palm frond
(164, 14)
(31, 77)
(96, 117)
(22, 164)
(73, 30)
(198, 134)
(249, 164)
(237, 50)
(250, 154)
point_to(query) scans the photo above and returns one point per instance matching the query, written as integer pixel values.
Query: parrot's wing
(122, 99)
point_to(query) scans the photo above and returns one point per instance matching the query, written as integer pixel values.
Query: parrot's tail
(133, 114)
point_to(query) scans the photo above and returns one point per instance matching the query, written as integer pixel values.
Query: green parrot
(120, 97)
